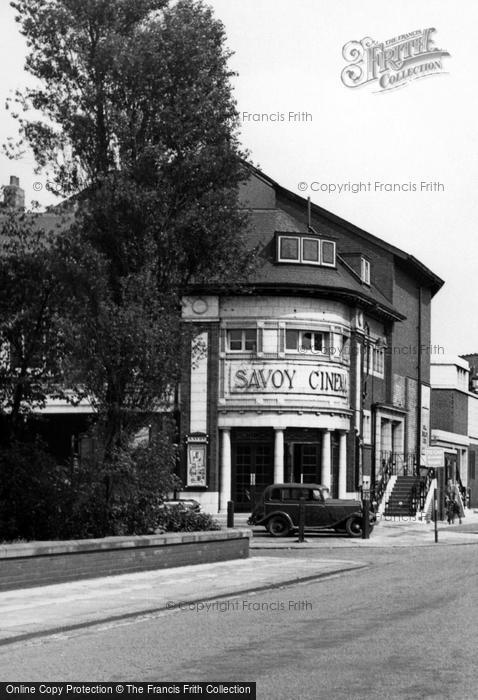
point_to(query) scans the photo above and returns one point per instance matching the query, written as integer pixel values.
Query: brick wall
(399, 391)
(449, 411)
(405, 349)
(39, 564)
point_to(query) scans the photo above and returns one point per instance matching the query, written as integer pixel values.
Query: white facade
(270, 385)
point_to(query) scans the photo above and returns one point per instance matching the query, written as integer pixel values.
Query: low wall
(41, 563)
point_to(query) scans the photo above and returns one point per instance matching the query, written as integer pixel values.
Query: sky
(288, 56)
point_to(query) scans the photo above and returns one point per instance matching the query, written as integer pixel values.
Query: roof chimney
(13, 195)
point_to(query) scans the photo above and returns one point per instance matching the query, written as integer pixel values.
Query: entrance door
(253, 464)
(304, 462)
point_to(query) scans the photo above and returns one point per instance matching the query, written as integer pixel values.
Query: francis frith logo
(393, 63)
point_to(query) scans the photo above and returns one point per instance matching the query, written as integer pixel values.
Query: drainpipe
(419, 387)
(359, 369)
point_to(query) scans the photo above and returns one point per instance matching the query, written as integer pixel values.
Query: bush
(177, 519)
(40, 500)
(33, 493)
(141, 480)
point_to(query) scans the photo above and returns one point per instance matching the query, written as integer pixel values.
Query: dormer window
(305, 250)
(365, 271)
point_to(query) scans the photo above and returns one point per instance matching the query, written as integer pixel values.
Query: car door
(317, 514)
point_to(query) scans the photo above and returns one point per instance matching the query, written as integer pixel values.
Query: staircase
(400, 500)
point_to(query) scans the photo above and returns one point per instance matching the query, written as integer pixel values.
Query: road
(404, 627)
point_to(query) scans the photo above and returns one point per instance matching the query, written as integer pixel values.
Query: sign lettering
(302, 379)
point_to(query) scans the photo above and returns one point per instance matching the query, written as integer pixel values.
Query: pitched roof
(428, 277)
(340, 282)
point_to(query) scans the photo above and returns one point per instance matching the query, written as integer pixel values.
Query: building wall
(473, 448)
(449, 411)
(405, 349)
(473, 416)
(473, 474)
(452, 375)
(272, 317)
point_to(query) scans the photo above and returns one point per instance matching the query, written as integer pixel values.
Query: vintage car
(278, 510)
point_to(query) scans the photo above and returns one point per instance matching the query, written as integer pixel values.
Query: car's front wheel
(278, 526)
(354, 527)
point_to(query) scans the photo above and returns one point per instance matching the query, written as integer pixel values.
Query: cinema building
(318, 372)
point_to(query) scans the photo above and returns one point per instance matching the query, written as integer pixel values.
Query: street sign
(435, 457)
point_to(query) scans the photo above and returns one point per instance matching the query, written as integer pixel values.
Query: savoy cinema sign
(286, 378)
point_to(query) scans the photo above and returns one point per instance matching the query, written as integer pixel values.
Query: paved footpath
(31, 612)
(389, 532)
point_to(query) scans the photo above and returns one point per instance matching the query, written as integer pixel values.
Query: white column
(225, 494)
(342, 464)
(325, 475)
(358, 384)
(278, 456)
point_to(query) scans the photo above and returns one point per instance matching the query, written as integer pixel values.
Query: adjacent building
(452, 408)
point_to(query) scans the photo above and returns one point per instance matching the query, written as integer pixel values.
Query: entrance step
(400, 500)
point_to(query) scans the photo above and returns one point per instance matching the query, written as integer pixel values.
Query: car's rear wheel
(278, 526)
(354, 527)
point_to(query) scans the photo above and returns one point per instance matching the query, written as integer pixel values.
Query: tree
(32, 300)
(139, 117)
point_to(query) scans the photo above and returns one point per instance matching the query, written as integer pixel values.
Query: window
(328, 253)
(365, 271)
(310, 250)
(367, 427)
(241, 340)
(376, 360)
(305, 250)
(296, 494)
(304, 341)
(289, 249)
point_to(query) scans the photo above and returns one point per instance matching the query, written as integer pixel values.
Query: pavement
(389, 532)
(33, 612)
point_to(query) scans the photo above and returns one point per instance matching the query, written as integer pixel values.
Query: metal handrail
(420, 491)
(392, 464)
(397, 463)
